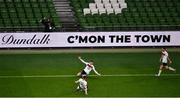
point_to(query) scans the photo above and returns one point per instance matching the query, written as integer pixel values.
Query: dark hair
(84, 76)
(164, 48)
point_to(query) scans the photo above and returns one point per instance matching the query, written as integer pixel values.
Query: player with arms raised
(164, 61)
(88, 68)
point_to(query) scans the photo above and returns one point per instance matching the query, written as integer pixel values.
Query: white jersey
(82, 83)
(88, 68)
(164, 57)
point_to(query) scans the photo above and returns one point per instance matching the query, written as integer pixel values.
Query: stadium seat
(110, 11)
(121, 14)
(26, 14)
(128, 14)
(86, 11)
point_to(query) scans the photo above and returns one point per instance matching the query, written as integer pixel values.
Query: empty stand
(127, 14)
(90, 15)
(25, 15)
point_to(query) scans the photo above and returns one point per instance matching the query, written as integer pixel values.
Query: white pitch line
(113, 75)
(138, 75)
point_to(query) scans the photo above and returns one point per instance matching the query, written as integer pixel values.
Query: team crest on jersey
(89, 65)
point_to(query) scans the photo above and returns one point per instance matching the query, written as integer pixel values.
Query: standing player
(82, 84)
(164, 61)
(88, 68)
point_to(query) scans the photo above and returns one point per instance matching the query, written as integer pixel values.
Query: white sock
(78, 74)
(170, 68)
(159, 72)
(77, 88)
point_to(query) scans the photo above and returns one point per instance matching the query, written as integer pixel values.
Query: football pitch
(52, 74)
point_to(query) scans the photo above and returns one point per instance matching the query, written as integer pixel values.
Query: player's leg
(85, 91)
(78, 74)
(170, 68)
(160, 70)
(78, 88)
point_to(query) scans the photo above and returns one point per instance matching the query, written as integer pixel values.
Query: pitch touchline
(114, 75)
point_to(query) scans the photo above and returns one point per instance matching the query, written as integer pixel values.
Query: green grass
(68, 64)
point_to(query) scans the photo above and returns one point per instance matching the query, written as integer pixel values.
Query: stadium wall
(89, 39)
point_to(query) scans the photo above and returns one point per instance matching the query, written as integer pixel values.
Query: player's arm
(169, 60)
(160, 59)
(96, 71)
(82, 60)
(77, 81)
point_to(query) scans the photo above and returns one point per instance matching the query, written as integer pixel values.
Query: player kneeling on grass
(164, 61)
(88, 68)
(82, 84)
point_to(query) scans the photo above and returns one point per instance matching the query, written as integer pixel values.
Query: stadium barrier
(89, 39)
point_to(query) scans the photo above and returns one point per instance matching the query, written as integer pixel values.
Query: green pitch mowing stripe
(66, 76)
(98, 86)
(90, 50)
(42, 75)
